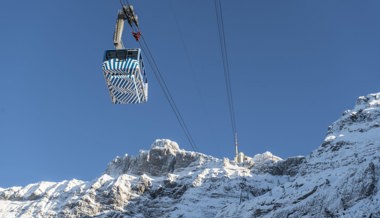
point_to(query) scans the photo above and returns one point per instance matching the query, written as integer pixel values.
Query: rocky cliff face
(338, 179)
(164, 157)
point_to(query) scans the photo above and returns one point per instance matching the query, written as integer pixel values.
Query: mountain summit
(339, 179)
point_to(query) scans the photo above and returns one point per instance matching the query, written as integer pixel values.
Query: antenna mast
(236, 148)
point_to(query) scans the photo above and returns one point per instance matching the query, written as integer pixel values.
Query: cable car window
(121, 54)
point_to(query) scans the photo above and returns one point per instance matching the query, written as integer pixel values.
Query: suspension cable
(166, 91)
(157, 73)
(223, 48)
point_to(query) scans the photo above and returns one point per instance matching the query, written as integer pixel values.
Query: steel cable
(226, 68)
(166, 91)
(157, 73)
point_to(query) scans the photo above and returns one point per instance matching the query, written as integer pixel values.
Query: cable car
(125, 76)
(123, 68)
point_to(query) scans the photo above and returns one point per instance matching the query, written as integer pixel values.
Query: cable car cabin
(125, 76)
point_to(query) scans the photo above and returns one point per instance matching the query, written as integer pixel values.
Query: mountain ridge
(338, 179)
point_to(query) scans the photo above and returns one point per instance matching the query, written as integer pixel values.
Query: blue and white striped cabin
(125, 76)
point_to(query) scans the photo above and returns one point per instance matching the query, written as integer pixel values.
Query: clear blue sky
(295, 67)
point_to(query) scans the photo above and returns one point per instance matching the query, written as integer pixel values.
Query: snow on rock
(339, 179)
(163, 157)
(362, 119)
(171, 146)
(264, 157)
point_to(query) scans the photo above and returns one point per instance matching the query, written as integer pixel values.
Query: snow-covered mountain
(338, 179)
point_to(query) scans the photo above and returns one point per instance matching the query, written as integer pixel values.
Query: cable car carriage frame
(125, 76)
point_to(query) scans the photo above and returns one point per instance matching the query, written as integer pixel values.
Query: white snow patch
(165, 143)
(266, 156)
(330, 138)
